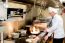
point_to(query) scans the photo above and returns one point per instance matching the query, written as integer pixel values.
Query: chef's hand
(46, 30)
(46, 38)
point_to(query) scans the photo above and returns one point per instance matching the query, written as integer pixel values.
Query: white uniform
(57, 27)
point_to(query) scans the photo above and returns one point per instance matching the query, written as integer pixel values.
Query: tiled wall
(3, 11)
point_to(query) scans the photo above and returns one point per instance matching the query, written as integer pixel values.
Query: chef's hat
(55, 10)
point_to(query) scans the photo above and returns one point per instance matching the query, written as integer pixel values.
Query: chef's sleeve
(53, 27)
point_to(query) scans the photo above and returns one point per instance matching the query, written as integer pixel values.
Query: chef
(56, 28)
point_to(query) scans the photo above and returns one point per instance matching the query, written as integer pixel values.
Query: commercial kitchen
(19, 18)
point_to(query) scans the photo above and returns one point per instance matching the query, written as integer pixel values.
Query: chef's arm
(40, 36)
(50, 30)
(53, 27)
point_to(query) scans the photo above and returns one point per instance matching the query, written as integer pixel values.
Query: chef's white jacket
(57, 27)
